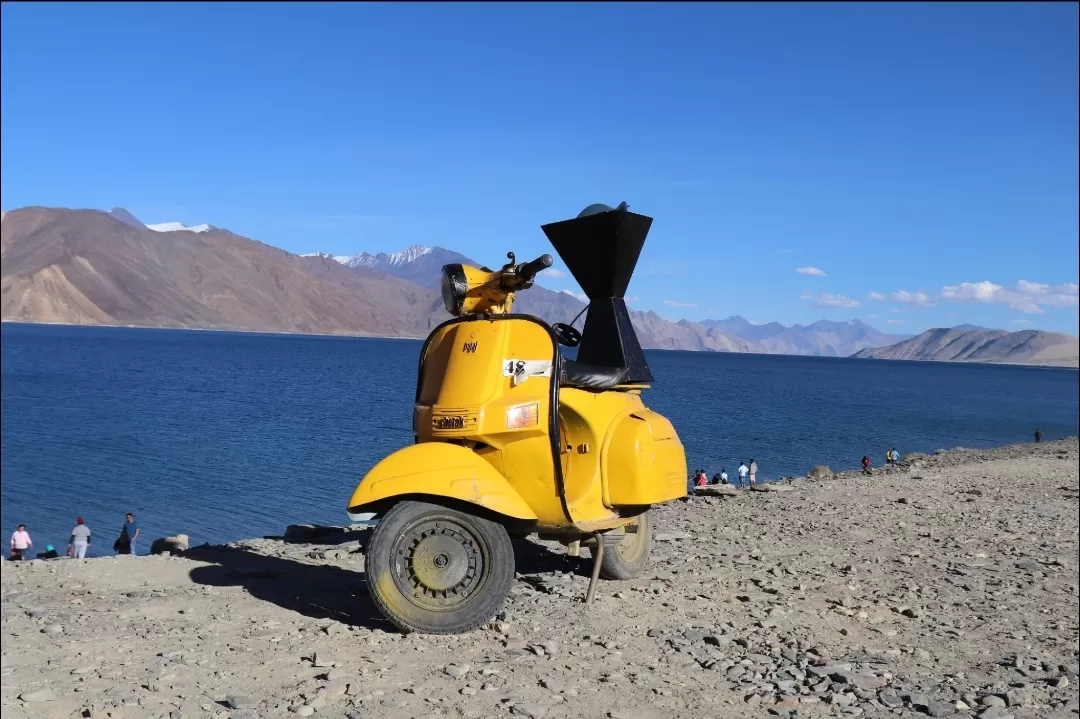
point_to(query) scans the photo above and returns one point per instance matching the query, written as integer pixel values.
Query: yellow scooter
(513, 439)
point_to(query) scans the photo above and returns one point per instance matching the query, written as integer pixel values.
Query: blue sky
(923, 154)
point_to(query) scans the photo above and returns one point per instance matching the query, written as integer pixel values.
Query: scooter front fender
(439, 469)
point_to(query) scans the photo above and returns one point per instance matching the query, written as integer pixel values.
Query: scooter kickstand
(597, 560)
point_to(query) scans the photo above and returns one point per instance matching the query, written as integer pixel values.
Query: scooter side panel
(643, 461)
(440, 469)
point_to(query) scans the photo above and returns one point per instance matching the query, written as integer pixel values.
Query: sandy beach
(944, 588)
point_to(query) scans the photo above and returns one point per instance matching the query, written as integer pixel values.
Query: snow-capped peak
(383, 259)
(177, 227)
(408, 255)
(343, 259)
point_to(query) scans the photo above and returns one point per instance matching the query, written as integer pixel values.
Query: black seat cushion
(590, 376)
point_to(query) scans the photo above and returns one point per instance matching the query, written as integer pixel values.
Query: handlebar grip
(530, 269)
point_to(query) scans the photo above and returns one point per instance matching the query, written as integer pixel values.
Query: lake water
(223, 436)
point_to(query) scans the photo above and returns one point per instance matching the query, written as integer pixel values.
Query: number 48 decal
(521, 370)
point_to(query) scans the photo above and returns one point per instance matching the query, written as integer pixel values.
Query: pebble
(995, 713)
(239, 701)
(45, 694)
(992, 700)
(940, 709)
(530, 710)
(553, 684)
(457, 671)
(53, 629)
(670, 536)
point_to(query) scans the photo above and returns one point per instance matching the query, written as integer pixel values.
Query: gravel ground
(945, 587)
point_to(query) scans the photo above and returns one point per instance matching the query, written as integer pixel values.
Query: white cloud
(631, 299)
(579, 295)
(552, 273)
(810, 271)
(1020, 322)
(894, 322)
(919, 299)
(873, 317)
(1027, 297)
(827, 299)
(876, 296)
(673, 303)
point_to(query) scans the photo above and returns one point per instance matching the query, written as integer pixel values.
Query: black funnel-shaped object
(600, 247)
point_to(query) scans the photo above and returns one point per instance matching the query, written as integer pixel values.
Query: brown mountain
(1031, 347)
(87, 267)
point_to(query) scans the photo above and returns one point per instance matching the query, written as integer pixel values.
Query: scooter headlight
(454, 288)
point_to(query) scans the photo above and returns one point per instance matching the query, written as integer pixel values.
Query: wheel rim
(438, 564)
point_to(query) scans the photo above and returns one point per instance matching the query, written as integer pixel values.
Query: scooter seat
(590, 376)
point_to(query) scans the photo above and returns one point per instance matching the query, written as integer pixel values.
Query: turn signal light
(523, 415)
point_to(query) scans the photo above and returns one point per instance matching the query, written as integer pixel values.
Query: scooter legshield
(439, 469)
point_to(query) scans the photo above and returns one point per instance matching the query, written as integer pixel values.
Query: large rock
(174, 544)
(309, 532)
(716, 490)
(772, 487)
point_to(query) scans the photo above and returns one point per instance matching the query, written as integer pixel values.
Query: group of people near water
(891, 457)
(748, 472)
(78, 542)
(745, 472)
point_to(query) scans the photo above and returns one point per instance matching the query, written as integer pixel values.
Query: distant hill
(1030, 347)
(90, 268)
(93, 267)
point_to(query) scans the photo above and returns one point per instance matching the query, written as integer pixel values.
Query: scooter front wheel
(437, 570)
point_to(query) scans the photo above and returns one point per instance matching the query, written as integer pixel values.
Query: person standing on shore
(743, 471)
(20, 542)
(80, 540)
(1038, 436)
(866, 464)
(895, 455)
(753, 472)
(888, 456)
(131, 528)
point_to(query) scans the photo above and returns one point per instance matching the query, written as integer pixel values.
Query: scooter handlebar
(529, 270)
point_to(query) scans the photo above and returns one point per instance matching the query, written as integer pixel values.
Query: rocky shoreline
(944, 587)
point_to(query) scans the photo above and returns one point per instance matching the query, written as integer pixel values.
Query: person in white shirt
(723, 476)
(743, 471)
(20, 543)
(80, 539)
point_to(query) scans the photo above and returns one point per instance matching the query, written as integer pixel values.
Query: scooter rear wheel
(626, 559)
(437, 570)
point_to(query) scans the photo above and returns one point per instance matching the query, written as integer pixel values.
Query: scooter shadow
(323, 591)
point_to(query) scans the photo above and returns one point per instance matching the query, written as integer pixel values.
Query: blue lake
(223, 436)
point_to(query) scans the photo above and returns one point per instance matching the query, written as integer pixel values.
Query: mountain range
(959, 344)
(108, 268)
